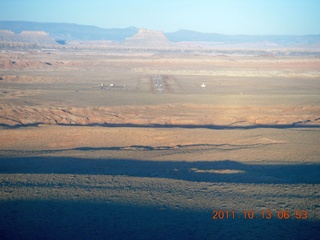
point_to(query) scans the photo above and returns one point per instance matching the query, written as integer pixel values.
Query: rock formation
(148, 38)
(36, 37)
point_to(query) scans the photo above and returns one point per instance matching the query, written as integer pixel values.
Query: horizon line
(181, 29)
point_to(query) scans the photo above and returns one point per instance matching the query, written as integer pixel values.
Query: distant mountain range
(192, 36)
(64, 32)
(68, 31)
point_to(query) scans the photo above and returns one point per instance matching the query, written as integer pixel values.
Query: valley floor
(237, 159)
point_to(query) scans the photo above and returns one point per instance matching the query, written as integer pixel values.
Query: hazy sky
(296, 17)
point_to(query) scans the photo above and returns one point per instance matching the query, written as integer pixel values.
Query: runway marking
(157, 83)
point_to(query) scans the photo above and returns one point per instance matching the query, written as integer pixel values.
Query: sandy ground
(82, 162)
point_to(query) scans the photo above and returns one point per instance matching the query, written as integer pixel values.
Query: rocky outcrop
(188, 115)
(148, 38)
(36, 37)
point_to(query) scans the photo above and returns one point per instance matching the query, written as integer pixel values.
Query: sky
(255, 17)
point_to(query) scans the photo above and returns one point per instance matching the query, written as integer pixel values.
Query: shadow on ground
(94, 220)
(212, 171)
(83, 219)
(232, 126)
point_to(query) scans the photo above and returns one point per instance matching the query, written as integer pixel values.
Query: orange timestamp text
(263, 214)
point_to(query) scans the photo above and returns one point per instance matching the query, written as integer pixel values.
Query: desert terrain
(145, 144)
